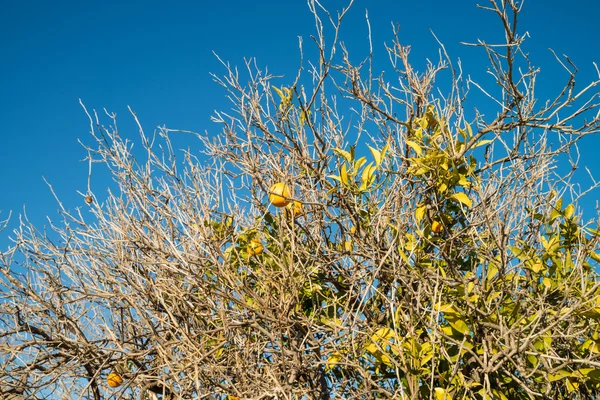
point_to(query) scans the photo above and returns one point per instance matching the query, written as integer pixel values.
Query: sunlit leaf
(376, 155)
(463, 198)
(482, 143)
(420, 213)
(442, 394)
(415, 147)
(344, 175)
(347, 156)
(569, 211)
(332, 360)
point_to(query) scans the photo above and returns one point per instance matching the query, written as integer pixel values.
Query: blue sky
(156, 57)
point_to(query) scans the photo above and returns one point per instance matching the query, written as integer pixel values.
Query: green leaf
(463, 198)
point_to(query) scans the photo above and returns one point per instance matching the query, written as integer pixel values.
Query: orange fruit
(436, 227)
(255, 247)
(114, 380)
(280, 194)
(295, 209)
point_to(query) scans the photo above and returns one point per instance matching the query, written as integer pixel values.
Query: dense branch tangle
(441, 262)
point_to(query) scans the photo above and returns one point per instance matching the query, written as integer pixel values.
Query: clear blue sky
(156, 57)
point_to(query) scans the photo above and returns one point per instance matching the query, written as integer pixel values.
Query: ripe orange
(280, 194)
(114, 380)
(436, 227)
(255, 247)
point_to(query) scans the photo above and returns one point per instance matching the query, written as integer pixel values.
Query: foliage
(439, 260)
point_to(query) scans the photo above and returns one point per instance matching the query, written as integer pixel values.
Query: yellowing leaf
(415, 147)
(442, 394)
(482, 143)
(561, 374)
(371, 348)
(459, 325)
(344, 154)
(383, 335)
(463, 198)
(569, 211)
(333, 359)
(547, 282)
(420, 213)
(344, 175)
(376, 155)
(367, 176)
(384, 150)
(358, 163)
(281, 95)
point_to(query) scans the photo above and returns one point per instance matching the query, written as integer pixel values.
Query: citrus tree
(345, 236)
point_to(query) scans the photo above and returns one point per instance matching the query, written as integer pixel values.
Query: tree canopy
(346, 235)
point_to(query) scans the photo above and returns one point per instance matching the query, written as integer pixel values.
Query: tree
(442, 262)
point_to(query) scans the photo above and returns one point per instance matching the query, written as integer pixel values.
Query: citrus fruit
(114, 380)
(295, 209)
(280, 194)
(255, 247)
(436, 227)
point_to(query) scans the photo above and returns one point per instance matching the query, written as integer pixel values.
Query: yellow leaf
(279, 92)
(333, 359)
(371, 348)
(344, 154)
(482, 143)
(358, 163)
(367, 176)
(463, 198)
(569, 211)
(344, 175)
(384, 150)
(420, 213)
(547, 283)
(499, 394)
(459, 325)
(383, 334)
(376, 155)
(442, 394)
(415, 147)
(560, 374)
